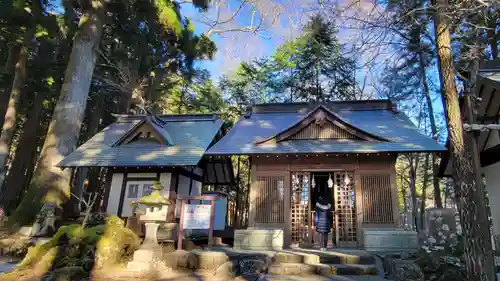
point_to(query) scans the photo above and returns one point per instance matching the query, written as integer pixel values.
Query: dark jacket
(323, 218)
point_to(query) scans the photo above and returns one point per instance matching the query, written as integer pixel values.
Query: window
(147, 188)
(133, 190)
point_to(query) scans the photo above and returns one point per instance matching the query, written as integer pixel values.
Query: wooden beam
(252, 191)
(122, 195)
(107, 189)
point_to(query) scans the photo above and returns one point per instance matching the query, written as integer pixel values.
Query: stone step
(345, 269)
(339, 258)
(321, 269)
(272, 277)
(324, 257)
(292, 269)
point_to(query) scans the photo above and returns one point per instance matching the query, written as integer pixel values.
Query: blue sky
(235, 47)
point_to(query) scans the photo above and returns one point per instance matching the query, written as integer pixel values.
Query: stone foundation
(258, 239)
(390, 239)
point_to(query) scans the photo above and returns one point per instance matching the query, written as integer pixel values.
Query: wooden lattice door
(345, 209)
(300, 207)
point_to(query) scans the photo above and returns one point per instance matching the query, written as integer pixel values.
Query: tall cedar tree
(322, 72)
(472, 210)
(50, 184)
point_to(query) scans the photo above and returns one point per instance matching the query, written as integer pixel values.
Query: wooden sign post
(211, 222)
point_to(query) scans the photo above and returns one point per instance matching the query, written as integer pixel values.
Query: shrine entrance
(338, 190)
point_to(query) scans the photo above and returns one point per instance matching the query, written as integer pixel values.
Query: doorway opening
(338, 189)
(322, 186)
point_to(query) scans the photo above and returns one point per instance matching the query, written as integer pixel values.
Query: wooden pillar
(309, 209)
(253, 194)
(394, 194)
(287, 187)
(359, 208)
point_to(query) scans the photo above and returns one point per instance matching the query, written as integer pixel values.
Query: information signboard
(196, 216)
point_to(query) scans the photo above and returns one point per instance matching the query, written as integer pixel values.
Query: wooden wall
(374, 176)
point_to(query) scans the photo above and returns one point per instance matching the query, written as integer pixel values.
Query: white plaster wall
(196, 188)
(492, 175)
(165, 181)
(182, 189)
(141, 175)
(116, 187)
(114, 194)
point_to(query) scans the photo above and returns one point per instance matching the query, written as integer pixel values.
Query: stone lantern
(155, 214)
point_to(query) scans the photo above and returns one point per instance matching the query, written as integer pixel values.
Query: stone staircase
(310, 262)
(285, 263)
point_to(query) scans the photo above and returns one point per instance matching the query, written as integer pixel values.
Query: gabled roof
(267, 128)
(153, 122)
(187, 137)
(321, 114)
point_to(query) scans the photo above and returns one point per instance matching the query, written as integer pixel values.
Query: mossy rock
(116, 243)
(181, 259)
(15, 245)
(101, 245)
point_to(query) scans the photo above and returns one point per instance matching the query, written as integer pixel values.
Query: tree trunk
(238, 195)
(405, 203)
(10, 119)
(6, 79)
(478, 250)
(72, 208)
(435, 180)
(50, 184)
(424, 191)
(412, 174)
(23, 158)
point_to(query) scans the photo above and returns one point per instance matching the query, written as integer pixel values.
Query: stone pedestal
(259, 239)
(389, 239)
(149, 252)
(440, 227)
(148, 256)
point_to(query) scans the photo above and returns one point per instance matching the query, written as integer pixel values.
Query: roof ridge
(170, 117)
(355, 105)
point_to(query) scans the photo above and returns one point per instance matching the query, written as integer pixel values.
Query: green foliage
(322, 72)
(102, 245)
(155, 197)
(168, 15)
(311, 67)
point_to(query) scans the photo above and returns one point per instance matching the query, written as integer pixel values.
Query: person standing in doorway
(323, 220)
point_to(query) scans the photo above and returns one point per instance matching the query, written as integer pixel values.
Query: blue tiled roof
(191, 136)
(401, 134)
